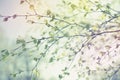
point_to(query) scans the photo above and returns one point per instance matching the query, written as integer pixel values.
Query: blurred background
(18, 67)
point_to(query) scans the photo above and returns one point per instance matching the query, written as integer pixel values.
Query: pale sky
(13, 27)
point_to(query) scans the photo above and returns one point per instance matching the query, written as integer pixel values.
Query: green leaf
(31, 7)
(23, 45)
(19, 41)
(60, 76)
(108, 6)
(107, 11)
(85, 25)
(14, 75)
(73, 6)
(65, 69)
(35, 59)
(34, 39)
(99, 6)
(51, 40)
(66, 35)
(46, 22)
(51, 59)
(24, 49)
(5, 54)
(46, 46)
(43, 54)
(38, 42)
(86, 8)
(48, 12)
(66, 73)
(63, 1)
(85, 14)
(3, 50)
(52, 17)
(51, 34)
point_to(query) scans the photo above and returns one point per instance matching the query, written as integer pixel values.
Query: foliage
(83, 35)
